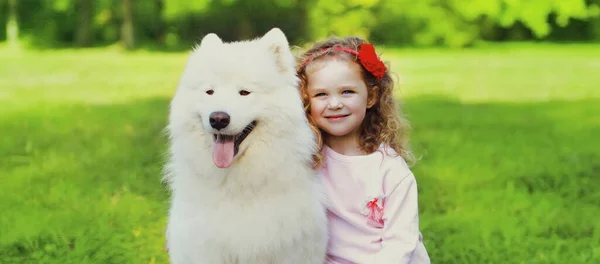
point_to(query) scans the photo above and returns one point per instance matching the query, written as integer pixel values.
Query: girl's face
(338, 96)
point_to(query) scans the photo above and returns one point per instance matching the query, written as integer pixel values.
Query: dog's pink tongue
(223, 154)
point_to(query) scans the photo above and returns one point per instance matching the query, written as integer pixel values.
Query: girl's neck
(346, 145)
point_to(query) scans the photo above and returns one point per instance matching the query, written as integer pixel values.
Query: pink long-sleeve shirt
(380, 231)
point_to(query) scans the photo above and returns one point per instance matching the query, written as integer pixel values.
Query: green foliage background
(180, 23)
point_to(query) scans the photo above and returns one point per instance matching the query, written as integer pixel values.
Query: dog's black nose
(219, 120)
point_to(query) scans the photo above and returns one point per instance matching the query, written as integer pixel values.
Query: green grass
(507, 135)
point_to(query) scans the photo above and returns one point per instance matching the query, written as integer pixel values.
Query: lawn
(509, 167)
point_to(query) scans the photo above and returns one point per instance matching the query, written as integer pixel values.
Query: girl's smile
(336, 118)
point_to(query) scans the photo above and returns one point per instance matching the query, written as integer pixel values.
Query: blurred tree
(594, 22)
(181, 23)
(12, 26)
(177, 8)
(341, 18)
(459, 23)
(127, 27)
(160, 30)
(234, 19)
(85, 12)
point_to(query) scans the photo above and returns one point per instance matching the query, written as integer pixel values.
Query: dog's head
(228, 91)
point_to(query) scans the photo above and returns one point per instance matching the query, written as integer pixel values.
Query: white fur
(267, 207)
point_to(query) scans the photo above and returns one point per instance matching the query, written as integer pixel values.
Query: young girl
(373, 209)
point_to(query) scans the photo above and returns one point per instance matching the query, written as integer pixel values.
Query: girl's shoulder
(393, 167)
(391, 157)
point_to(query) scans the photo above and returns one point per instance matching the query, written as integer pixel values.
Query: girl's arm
(401, 237)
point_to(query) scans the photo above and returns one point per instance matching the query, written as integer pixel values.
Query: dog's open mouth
(227, 146)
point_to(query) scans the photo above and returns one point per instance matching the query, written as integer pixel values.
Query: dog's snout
(219, 120)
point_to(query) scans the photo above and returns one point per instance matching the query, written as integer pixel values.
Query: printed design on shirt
(372, 208)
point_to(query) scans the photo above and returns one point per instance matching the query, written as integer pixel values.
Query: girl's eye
(319, 94)
(347, 91)
(210, 92)
(244, 92)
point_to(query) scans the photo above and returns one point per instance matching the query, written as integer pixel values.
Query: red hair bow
(368, 58)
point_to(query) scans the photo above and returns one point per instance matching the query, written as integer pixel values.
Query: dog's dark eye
(244, 92)
(210, 92)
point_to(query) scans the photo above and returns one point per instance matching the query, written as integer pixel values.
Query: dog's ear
(210, 40)
(277, 43)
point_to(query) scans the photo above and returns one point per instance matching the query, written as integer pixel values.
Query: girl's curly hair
(383, 123)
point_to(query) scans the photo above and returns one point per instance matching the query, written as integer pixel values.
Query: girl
(373, 210)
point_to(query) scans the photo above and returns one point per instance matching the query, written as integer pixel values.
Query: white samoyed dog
(239, 170)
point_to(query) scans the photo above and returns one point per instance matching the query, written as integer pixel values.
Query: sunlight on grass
(520, 74)
(89, 77)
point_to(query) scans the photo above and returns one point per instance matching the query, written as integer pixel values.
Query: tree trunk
(161, 29)
(83, 35)
(244, 29)
(594, 25)
(127, 30)
(12, 26)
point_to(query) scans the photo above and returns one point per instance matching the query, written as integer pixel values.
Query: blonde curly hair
(383, 123)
